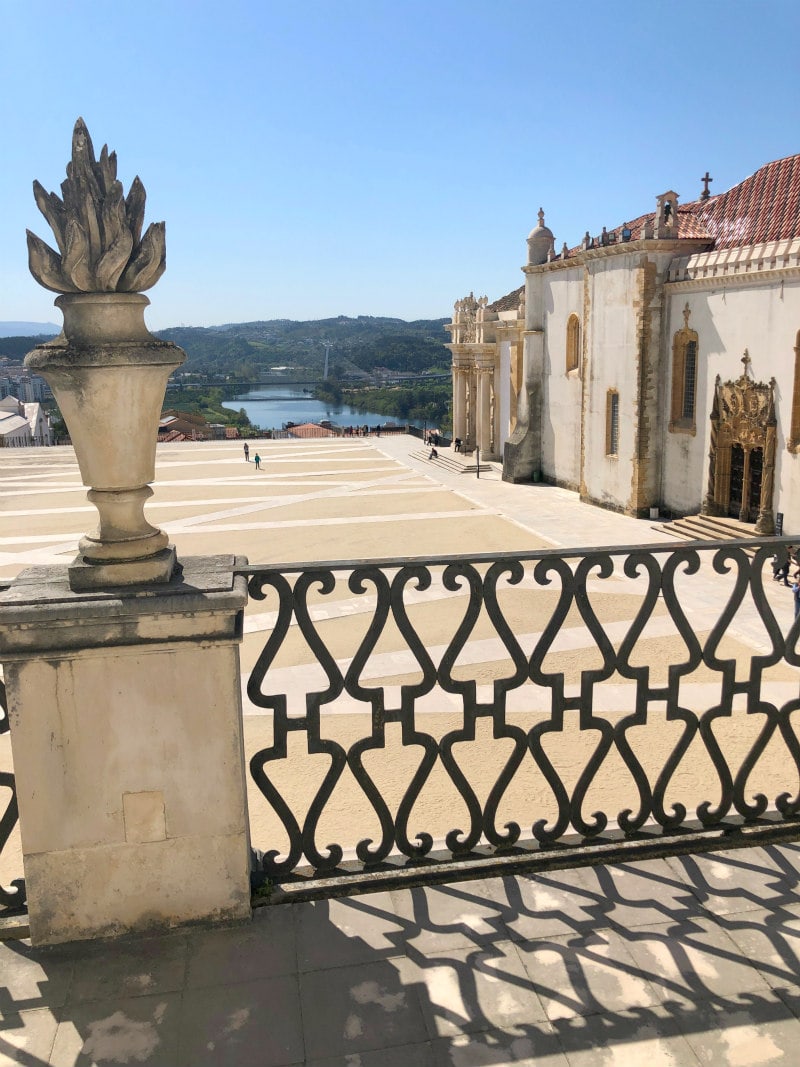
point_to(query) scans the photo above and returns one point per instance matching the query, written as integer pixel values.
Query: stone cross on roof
(705, 179)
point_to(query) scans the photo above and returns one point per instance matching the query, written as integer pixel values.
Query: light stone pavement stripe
(609, 698)
(297, 681)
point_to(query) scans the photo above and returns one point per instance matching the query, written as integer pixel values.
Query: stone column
(126, 732)
(744, 510)
(459, 402)
(472, 407)
(485, 410)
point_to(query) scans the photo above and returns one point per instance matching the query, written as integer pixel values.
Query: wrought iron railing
(555, 708)
(11, 899)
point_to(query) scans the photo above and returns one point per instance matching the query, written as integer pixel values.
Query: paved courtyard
(668, 962)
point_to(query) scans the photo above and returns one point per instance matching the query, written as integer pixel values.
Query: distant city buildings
(23, 424)
(23, 420)
(184, 426)
(17, 381)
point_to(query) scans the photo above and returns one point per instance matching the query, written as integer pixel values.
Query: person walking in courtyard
(257, 461)
(246, 452)
(781, 573)
(796, 594)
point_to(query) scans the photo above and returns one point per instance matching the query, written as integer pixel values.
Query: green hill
(357, 347)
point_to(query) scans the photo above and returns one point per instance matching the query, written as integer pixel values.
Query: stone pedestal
(126, 731)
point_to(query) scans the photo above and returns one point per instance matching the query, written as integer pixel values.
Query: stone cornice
(510, 330)
(685, 245)
(733, 281)
(472, 348)
(733, 267)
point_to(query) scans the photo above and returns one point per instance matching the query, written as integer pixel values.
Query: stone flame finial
(98, 231)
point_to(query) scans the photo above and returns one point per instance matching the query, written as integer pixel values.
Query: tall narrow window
(684, 378)
(612, 422)
(793, 444)
(689, 380)
(573, 343)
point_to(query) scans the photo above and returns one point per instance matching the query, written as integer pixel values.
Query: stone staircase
(451, 461)
(707, 528)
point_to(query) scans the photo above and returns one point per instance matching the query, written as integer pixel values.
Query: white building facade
(656, 365)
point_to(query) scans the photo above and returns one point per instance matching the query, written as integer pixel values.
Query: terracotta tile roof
(509, 302)
(310, 429)
(764, 207)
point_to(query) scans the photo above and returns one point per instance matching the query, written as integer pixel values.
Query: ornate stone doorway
(741, 460)
(736, 481)
(745, 499)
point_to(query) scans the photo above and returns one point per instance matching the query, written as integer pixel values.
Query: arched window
(684, 379)
(793, 444)
(612, 422)
(573, 343)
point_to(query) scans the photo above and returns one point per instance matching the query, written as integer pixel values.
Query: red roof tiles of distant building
(310, 429)
(510, 302)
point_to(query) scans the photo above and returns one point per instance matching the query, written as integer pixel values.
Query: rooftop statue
(98, 230)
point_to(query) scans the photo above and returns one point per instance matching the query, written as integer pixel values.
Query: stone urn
(108, 373)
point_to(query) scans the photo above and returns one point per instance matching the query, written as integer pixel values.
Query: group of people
(360, 431)
(784, 569)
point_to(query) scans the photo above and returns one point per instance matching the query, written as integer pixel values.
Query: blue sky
(375, 157)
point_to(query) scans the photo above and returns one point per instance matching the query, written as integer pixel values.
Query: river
(271, 406)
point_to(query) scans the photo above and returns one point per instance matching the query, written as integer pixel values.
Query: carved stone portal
(741, 458)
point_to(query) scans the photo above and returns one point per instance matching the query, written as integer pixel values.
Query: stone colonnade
(476, 398)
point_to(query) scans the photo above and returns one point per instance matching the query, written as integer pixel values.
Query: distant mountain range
(249, 350)
(29, 329)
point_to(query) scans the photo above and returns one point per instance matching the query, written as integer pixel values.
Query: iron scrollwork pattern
(11, 899)
(656, 678)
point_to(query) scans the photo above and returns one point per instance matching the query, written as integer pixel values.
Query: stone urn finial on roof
(107, 371)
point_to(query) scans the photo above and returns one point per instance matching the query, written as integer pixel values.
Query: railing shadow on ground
(690, 961)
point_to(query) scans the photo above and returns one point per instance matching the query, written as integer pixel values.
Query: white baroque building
(656, 365)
